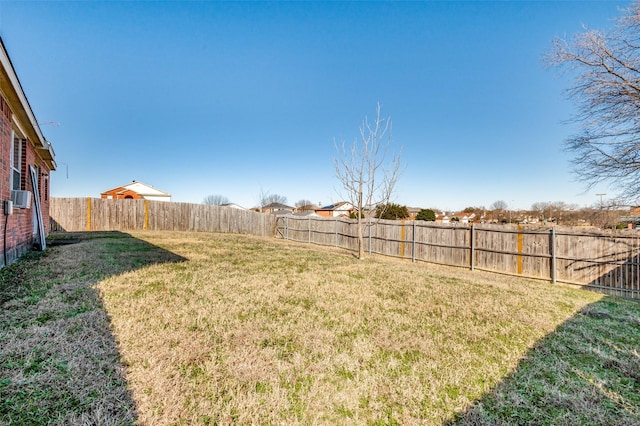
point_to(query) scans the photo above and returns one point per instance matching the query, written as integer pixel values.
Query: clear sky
(199, 98)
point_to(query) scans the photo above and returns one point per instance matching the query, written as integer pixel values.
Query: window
(17, 151)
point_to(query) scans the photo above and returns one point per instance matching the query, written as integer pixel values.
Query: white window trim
(15, 170)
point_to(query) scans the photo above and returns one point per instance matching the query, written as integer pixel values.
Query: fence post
(286, 228)
(370, 235)
(309, 226)
(413, 243)
(472, 247)
(335, 228)
(552, 249)
(403, 237)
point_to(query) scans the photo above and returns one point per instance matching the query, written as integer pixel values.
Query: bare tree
(539, 208)
(275, 198)
(558, 212)
(367, 174)
(574, 216)
(497, 211)
(265, 198)
(303, 203)
(608, 214)
(499, 205)
(606, 91)
(215, 200)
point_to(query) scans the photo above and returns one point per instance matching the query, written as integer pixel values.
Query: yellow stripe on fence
(88, 213)
(146, 214)
(519, 250)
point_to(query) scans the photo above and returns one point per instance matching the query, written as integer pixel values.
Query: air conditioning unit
(21, 199)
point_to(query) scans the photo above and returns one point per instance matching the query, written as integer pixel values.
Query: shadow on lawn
(59, 360)
(586, 372)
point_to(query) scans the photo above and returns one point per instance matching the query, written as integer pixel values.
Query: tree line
(608, 215)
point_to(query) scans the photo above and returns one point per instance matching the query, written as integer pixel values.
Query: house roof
(337, 206)
(233, 205)
(14, 94)
(138, 187)
(277, 206)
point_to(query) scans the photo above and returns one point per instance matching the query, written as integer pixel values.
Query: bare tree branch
(367, 175)
(215, 200)
(606, 90)
(265, 198)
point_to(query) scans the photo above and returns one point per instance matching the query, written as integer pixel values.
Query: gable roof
(233, 205)
(139, 188)
(277, 206)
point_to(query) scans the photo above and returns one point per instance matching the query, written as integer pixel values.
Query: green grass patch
(23, 280)
(59, 362)
(587, 371)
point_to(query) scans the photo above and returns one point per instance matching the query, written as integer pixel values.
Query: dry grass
(258, 331)
(59, 363)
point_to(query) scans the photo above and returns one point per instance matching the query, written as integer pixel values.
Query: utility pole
(600, 195)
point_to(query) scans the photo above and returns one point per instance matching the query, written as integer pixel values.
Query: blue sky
(200, 98)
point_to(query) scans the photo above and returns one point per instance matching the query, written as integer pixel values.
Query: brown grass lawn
(195, 328)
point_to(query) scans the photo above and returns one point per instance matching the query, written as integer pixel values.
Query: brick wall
(17, 229)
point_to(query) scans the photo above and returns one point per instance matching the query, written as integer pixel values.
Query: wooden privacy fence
(606, 261)
(97, 214)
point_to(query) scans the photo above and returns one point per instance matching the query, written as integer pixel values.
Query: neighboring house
(307, 208)
(462, 218)
(466, 218)
(277, 208)
(233, 206)
(342, 208)
(633, 218)
(136, 190)
(413, 212)
(442, 218)
(27, 159)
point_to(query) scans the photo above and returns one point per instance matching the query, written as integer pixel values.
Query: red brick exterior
(5, 150)
(120, 193)
(19, 229)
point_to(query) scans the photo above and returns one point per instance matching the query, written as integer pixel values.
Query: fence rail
(605, 261)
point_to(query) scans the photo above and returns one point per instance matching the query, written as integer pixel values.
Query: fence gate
(281, 225)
